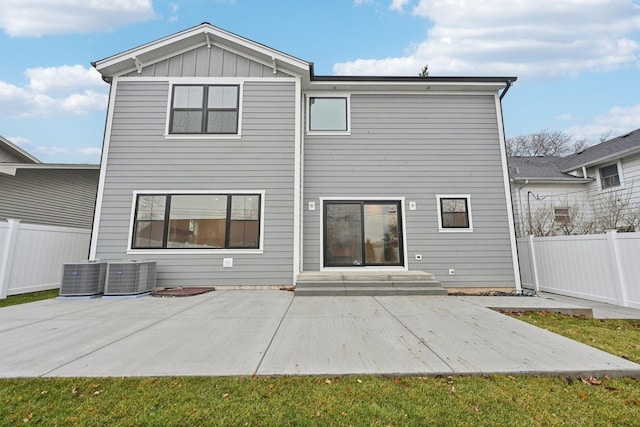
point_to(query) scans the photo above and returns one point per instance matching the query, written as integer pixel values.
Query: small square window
(562, 215)
(454, 213)
(328, 114)
(609, 176)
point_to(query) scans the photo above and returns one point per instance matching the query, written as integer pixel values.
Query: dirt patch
(180, 292)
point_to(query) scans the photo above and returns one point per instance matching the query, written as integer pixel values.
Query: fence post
(618, 278)
(534, 264)
(6, 261)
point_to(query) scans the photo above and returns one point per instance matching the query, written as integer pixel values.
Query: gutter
(506, 89)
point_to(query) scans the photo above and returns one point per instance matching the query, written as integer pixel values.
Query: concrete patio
(225, 333)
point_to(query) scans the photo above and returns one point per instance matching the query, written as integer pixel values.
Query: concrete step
(367, 291)
(378, 284)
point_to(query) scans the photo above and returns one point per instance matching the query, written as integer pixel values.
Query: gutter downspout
(506, 89)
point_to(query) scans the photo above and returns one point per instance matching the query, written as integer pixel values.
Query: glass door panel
(343, 231)
(362, 234)
(381, 234)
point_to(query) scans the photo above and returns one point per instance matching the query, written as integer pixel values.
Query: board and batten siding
(59, 197)
(416, 147)
(207, 62)
(142, 159)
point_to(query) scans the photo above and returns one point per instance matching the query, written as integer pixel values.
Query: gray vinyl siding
(7, 157)
(207, 62)
(64, 198)
(418, 146)
(141, 159)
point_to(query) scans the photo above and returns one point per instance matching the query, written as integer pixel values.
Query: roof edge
(603, 159)
(19, 152)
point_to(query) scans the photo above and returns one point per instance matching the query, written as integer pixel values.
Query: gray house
(45, 193)
(231, 163)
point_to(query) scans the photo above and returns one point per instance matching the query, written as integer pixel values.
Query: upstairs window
(328, 114)
(197, 221)
(454, 213)
(204, 109)
(609, 176)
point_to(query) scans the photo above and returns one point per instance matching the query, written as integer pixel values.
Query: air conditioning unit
(84, 278)
(130, 277)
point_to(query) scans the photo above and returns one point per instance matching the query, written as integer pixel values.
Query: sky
(577, 61)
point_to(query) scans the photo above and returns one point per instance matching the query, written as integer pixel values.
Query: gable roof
(540, 169)
(612, 149)
(200, 35)
(15, 151)
(206, 34)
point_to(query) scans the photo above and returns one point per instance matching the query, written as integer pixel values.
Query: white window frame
(620, 176)
(555, 215)
(205, 82)
(469, 216)
(310, 95)
(161, 251)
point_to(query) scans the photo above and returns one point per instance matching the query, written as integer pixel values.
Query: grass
(619, 337)
(31, 297)
(370, 401)
(355, 400)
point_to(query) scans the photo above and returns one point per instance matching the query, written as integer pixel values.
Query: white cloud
(90, 151)
(53, 80)
(51, 151)
(618, 121)
(19, 140)
(53, 91)
(398, 5)
(541, 39)
(565, 117)
(34, 18)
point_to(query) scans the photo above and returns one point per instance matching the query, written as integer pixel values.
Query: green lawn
(354, 400)
(24, 298)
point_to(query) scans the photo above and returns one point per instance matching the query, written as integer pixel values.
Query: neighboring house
(231, 163)
(587, 192)
(45, 193)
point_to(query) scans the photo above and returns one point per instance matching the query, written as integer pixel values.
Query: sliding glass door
(362, 233)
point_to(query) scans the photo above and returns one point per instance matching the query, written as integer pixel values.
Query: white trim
(507, 193)
(103, 171)
(207, 136)
(469, 215)
(327, 94)
(401, 200)
(173, 251)
(204, 28)
(206, 80)
(618, 164)
(297, 182)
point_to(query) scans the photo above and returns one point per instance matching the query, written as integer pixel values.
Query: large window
(204, 109)
(454, 213)
(200, 221)
(609, 176)
(328, 114)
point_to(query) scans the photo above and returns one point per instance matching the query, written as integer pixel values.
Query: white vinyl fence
(598, 267)
(32, 256)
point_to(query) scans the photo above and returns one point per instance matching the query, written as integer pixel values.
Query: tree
(544, 143)
(424, 72)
